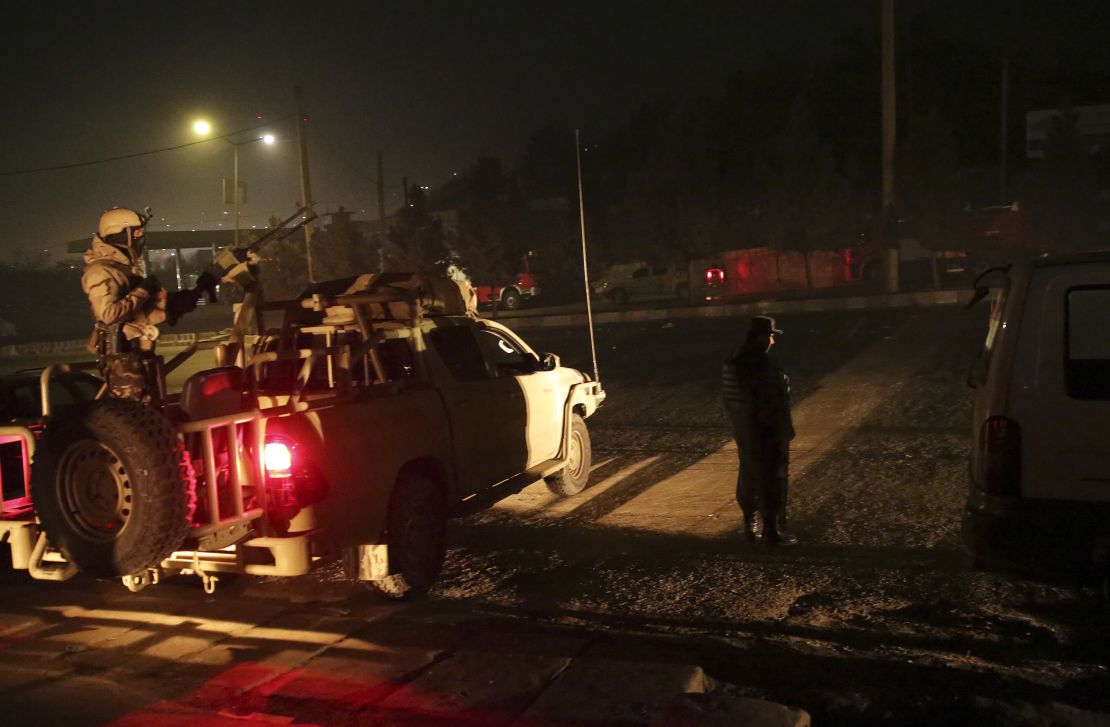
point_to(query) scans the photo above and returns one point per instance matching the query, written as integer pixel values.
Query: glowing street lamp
(202, 128)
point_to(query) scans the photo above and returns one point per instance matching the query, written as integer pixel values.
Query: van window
(1087, 363)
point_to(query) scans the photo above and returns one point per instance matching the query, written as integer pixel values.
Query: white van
(1039, 499)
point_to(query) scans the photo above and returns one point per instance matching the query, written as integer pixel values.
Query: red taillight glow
(278, 458)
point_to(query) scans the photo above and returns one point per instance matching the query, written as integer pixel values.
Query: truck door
(1065, 414)
(544, 394)
(488, 412)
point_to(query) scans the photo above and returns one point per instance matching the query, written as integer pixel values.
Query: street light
(202, 128)
(268, 140)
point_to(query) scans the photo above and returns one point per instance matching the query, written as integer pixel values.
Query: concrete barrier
(729, 310)
(759, 307)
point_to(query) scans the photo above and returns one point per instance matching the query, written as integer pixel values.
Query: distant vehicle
(759, 270)
(992, 236)
(511, 294)
(1039, 497)
(638, 281)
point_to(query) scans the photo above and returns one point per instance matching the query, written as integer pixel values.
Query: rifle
(233, 265)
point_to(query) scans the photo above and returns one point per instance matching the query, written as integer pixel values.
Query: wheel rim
(575, 461)
(94, 491)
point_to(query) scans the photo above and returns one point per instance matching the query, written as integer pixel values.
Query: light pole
(202, 128)
(266, 139)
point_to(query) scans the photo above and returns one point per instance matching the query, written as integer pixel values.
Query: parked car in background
(640, 281)
(1039, 497)
(511, 294)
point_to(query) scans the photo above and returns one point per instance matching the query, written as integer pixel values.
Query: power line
(74, 165)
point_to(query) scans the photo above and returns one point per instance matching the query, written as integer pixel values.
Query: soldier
(756, 396)
(126, 305)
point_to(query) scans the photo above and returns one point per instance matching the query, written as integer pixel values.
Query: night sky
(433, 85)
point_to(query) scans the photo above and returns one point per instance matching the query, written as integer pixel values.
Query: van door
(1063, 404)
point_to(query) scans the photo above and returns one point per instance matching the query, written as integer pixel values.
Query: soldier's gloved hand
(206, 285)
(180, 303)
(150, 284)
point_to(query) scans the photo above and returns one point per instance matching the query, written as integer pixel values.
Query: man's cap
(764, 325)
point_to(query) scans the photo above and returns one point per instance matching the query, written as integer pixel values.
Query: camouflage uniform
(126, 321)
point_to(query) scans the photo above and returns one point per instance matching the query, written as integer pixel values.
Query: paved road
(546, 604)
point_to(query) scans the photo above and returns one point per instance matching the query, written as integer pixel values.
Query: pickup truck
(374, 409)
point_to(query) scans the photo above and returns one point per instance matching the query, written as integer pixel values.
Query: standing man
(126, 306)
(756, 395)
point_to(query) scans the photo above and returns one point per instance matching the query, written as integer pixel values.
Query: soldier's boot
(753, 528)
(773, 533)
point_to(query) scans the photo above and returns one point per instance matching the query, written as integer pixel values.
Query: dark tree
(416, 242)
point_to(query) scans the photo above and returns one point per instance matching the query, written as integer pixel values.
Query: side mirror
(548, 362)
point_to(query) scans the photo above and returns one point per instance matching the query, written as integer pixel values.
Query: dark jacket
(756, 393)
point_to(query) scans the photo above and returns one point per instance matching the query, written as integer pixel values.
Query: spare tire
(113, 487)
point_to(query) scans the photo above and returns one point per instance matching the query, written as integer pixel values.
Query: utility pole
(381, 195)
(306, 186)
(1003, 131)
(889, 135)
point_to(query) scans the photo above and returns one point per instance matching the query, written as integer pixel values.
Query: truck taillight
(281, 488)
(279, 459)
(292, 479)
(999, 471)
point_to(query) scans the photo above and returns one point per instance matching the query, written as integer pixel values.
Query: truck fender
(580, 401)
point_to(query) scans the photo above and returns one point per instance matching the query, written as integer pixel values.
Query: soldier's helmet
(123, 228)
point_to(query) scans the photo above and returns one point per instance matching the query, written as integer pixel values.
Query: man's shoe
(753, 532)
(778, 538)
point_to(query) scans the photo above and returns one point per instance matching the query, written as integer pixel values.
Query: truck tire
(619, 296)
(113, 487)
(510, 299)
(572, 479)
(682, 292)
(416, 532)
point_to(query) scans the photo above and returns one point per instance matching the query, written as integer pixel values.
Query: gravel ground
(876, 617)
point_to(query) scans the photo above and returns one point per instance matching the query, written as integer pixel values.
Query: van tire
(113, 487)
(510, 299)
(416, 532)
(573, 477)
